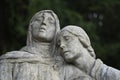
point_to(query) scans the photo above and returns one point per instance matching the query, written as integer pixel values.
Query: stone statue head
(43, 26)
(72, 40)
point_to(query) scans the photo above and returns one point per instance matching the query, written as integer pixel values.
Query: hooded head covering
(29, 45)
(82, 35)
(28, 48)
(57, 26)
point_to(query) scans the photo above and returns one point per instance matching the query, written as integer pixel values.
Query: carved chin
(69, 56)
(42, 34)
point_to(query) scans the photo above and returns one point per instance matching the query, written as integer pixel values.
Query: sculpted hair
(83, 37)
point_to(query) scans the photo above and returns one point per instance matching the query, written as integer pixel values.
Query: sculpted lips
(42, 29)
(66, 52)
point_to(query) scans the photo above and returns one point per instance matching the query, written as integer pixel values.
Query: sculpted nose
(62, 45)
(44, 20)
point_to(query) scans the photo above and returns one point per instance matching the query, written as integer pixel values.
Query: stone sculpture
(39, 60)
(70, 58)
(76, 49)
(35, 61)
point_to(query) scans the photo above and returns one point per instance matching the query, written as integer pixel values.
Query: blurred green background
(99, 18)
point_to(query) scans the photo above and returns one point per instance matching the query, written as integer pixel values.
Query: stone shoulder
(16, 54)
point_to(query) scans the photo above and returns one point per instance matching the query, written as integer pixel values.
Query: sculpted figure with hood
(35, 61)
(39, 59)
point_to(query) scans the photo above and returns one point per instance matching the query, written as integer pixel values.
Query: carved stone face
(43, 27)
(70, 46)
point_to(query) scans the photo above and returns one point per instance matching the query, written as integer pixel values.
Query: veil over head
(57, 25)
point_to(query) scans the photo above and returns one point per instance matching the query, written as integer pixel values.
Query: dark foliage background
(99, 18)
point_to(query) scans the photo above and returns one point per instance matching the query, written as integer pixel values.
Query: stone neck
(39, 45)
(42, 48)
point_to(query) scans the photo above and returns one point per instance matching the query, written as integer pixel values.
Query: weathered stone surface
(35, 61)
(39, 59)
(76, 49)
(27, 71)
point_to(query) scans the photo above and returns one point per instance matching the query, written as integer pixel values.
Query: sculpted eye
(67, 38)
(39, 19)
(50, 20)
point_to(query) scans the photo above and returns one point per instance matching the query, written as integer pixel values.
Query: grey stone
(70, 58)
(75, 47)
(39, 59)
(35, 61)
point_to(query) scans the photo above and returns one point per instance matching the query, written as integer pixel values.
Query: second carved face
(70, 46)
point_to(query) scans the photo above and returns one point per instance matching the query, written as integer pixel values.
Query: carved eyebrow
(66, 37)
(39, 18)
(50, 18)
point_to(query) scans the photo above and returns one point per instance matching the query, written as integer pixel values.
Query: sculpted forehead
(48, 15)
(39, 15)
(45, 15)
(66, 35)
